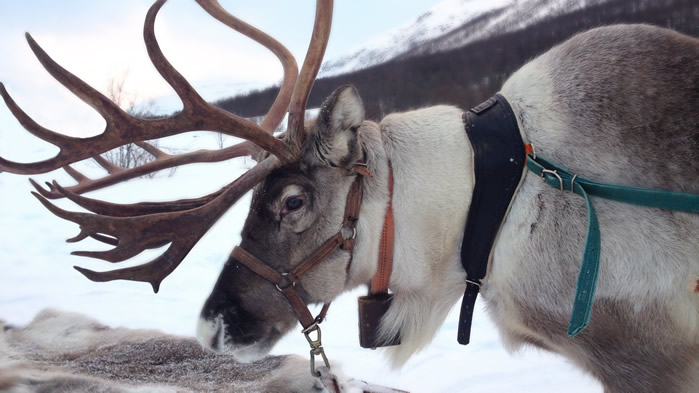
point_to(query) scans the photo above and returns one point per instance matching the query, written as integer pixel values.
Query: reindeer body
(616, 104)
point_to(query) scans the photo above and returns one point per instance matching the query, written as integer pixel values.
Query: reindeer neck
(373, 208)
(430, 155)
(431, 159)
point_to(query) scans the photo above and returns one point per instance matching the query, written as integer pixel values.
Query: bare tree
(129, 155)
(219, 139)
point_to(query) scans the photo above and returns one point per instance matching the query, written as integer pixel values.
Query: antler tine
(309, 70)
(75, 174)
(55, 138)
(98, 101)
(123, 128)
(104, 163)
(86, 185)
(136, 209)
(182, 229)
(208, 116)
(281, 103)
(190, 98)
(154, 151)
(29, 124)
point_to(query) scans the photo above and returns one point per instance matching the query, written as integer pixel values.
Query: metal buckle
(560, 180)
(472, 283)
(354, 232)
(316, 347)
(286, 277)
(572, 183)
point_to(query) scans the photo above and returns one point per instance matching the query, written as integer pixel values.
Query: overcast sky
(101, 41)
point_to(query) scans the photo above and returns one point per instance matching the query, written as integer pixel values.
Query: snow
(36, 273)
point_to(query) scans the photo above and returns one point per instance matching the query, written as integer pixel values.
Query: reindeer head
(301, 186)
(294, 211)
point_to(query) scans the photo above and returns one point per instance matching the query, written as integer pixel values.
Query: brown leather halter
(286, 282)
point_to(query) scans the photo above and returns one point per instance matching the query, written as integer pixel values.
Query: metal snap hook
(316, 347)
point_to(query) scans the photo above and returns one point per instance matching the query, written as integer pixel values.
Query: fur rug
(64, 352)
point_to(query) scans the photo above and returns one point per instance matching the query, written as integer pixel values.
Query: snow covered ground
(35, 273)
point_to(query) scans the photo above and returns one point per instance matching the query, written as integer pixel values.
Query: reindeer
(616, 104)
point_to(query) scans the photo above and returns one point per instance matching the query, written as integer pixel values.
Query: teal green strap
(587, 278)
(561, 179)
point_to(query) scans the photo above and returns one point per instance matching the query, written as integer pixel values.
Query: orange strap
(529, 149)
(379, 284)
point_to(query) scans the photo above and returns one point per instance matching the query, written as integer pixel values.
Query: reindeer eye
(293, 203)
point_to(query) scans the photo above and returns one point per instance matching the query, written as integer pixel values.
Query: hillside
(449, 25)
(469, 74)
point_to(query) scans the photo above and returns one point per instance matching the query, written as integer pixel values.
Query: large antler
(136, 227)
(123, 128)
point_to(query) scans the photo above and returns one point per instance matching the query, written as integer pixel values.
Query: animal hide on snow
(65, 352)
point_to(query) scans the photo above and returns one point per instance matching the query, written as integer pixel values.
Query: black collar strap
(498, 162)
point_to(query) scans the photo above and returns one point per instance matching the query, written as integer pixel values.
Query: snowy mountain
(451, 24)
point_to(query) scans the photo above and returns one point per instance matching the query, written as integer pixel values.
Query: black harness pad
(498, 160)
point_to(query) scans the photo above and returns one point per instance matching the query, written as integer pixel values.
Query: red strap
(379, 284)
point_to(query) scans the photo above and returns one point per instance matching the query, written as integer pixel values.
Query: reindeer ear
(333, 138)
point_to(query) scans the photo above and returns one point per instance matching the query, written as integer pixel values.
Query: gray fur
(69, 353)
(625, 104)
(616, 104)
